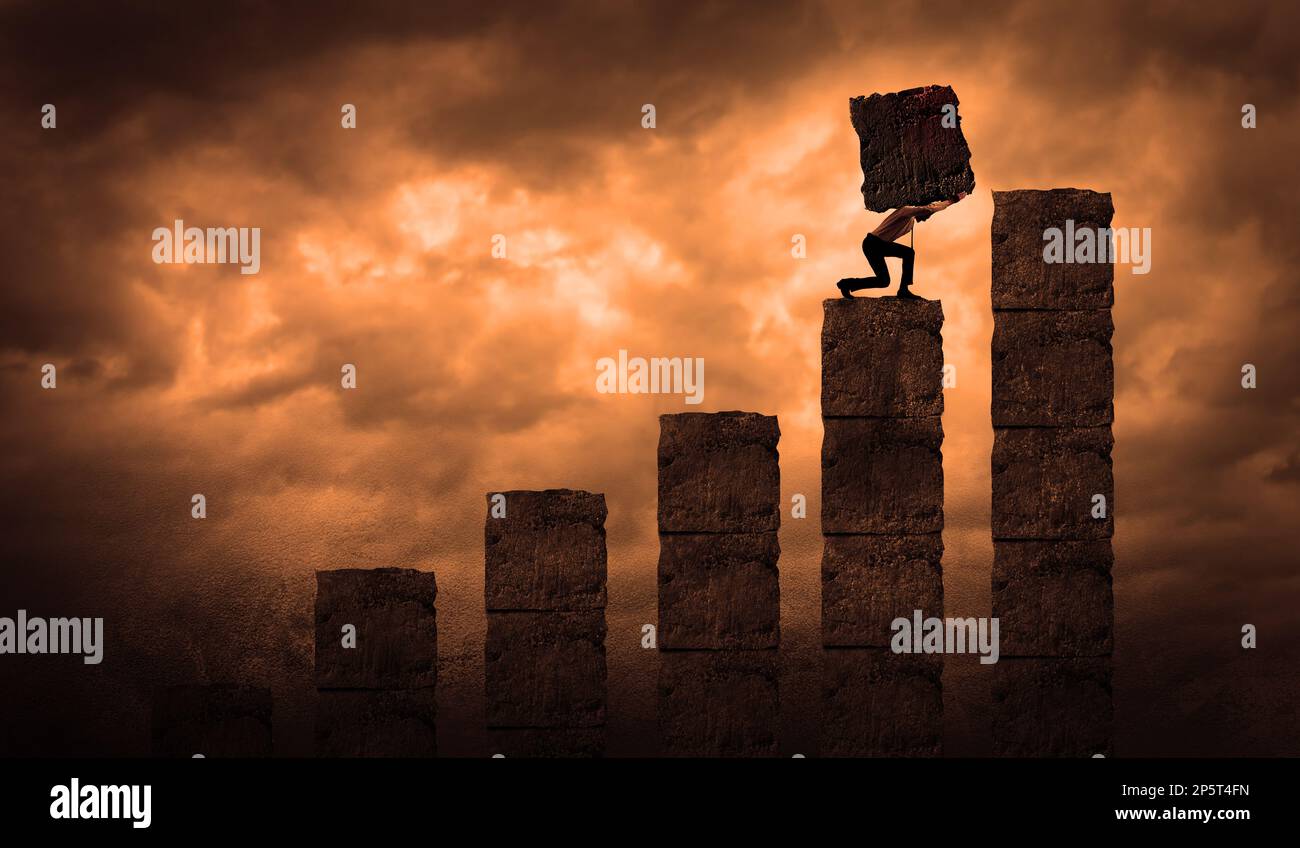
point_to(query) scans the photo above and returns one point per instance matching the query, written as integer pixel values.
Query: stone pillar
(376, 663)
(719, 596)
(214, 721)
(882, 518)
(1052, 409)
(545, 594)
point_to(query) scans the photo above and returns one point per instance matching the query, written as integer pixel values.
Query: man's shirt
(896, 224)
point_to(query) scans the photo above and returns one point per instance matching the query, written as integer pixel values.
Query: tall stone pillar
(545, 594)
(882, 518)
(719, 598)
(1053, 491)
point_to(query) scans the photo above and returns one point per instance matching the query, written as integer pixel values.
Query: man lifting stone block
(915, 161)
(879, 244)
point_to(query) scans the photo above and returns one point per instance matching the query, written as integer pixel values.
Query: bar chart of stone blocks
(719, 626)
(882, 513)
(545, 595)
(376, 663)
(1052, 410)
(882, 518)
(212, 721)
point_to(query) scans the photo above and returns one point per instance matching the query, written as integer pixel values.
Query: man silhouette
(879, 244)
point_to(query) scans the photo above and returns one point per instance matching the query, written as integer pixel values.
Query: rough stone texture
(1053, 369)
(882, 357)
(1052, 708)
(548, 742)
(1044, 480)
(1022, 279)
(719, 590)
(882, 475)
(718, 473)
(719, 703)
(547, 553)
(908, 156)
(868, 581)
(545, 669)
(377, 723)
(215, 721)
(397, 632)
(1053, 599)
(880, 704)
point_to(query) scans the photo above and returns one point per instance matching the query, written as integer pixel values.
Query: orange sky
(478, 374)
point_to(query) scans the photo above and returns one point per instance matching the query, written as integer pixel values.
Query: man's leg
(909, 258)
(905, 286)
(873, 249)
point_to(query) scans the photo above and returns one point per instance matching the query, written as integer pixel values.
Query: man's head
(923, 215)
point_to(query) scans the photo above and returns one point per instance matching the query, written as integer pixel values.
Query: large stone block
(545, 669)
(882, 475)
(1044, 481)
(719, 703)
(547, 553)
(215, 721)
(1053, 599)
(1022, 276)
(1053, 369)
(392, 610)
(548, 742)
(718, 473)
(868, 581)
(882, 357)
(880, 704)
(1052, 708)
(377, 723)
(719, 590)
(908, 155)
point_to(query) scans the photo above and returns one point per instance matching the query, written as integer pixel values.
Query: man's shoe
(906, 294)
(844, 289)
